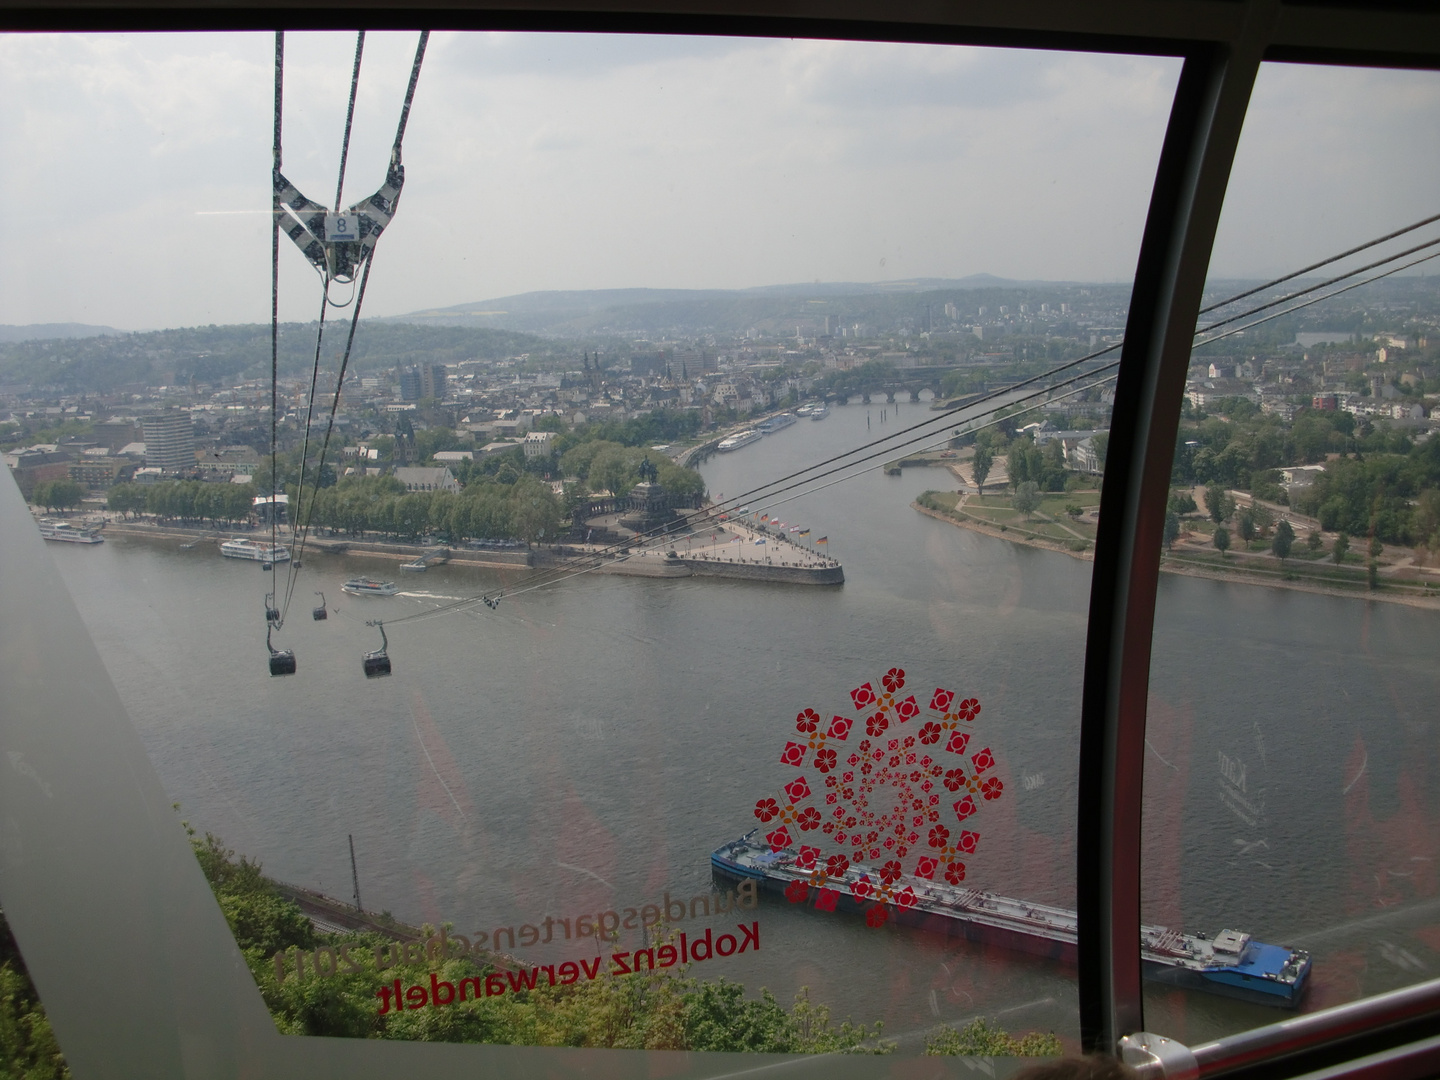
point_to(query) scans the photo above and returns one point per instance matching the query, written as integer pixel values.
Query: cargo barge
(1229, 963)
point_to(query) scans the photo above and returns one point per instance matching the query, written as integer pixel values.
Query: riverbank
(1278, 578)
(650, 562)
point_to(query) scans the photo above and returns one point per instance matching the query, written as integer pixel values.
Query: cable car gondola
(377, 663)
(282, 661)
(319, 614)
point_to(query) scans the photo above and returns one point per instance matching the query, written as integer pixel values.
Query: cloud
(571, 161)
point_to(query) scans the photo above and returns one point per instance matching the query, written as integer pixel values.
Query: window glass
(626, 545)
(1290, 747)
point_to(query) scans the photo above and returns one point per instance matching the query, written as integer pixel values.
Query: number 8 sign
(341, 227)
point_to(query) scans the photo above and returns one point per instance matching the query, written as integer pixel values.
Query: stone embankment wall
(798, 575)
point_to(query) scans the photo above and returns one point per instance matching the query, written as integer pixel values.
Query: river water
(585, 746)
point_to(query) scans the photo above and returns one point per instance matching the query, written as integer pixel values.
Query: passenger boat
(364, 586)
(73, 534)
(242, 548)
(776, 422)
(417, 567)
(816, 410)
(1230, 963)
(739, 439)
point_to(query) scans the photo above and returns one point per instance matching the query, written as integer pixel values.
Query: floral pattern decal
(875, 820)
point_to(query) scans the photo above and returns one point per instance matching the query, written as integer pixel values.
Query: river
(585, 746)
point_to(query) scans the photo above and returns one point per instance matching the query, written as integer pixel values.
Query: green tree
(1221, 539)
(1171, 530)
(1027, 498)
(1245, 525)
(1182, 502)
(28, 1050)
(1376, 546)
(1283, 540)
(126, 499)
(980, 465)
(1074, 511)
(979, 1039)
(1313, 541)
(1340, 547)
(1218, 504)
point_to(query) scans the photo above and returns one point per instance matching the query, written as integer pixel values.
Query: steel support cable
(1320, 285)
(544, 578)
(567, 573)
(1323, 262)
(540, 579)
(293, 570)
(275, 317)
(305, 513)
(890, 446)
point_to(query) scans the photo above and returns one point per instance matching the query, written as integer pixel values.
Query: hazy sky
(136, 168)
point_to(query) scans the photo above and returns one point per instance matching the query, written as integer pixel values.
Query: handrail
(1316, 1030)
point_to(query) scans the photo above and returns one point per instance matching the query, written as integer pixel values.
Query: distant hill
(224, 354)
(52, 331)
(581, 313)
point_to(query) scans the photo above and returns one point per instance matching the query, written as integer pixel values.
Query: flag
(823, 540)
(795, 528)
(804, 532)
(764, 517)
(759, 541)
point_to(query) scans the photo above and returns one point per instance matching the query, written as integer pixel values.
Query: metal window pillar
(1185, 204)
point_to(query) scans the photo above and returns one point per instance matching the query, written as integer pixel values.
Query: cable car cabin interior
(158, 987)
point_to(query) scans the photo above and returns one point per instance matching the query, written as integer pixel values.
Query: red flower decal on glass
(863, 696)
(797, 789)
(969, 709)
(906, 897)
(907, 709)
(808, 819)
(779, 839)
(955, 872)
(825, 901)
(967, 841)
(766, 809)
(806, 859)
(797, 892)
(930, 733)
(793, 754)
(941, 699)
(939, 836)
(840, 727)
(807, 722)
(955, 779)
(824, 760)
(925, 867)
(836, 865)
(965, 807)
(983, 760)
(991, 787)
(890, 872)
(894, 679)
(958, 741)
(862, 888)
(876, 725)
(876, 916)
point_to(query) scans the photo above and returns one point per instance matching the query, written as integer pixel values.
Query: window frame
(1222, 44)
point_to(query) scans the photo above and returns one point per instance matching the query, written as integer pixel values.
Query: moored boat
(243, 548)
(73, 534)
(1231, 963)
(776, 422)
(417, 567)
(364, 586)
(739, 439)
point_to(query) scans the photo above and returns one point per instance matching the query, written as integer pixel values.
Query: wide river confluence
(585, 746)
